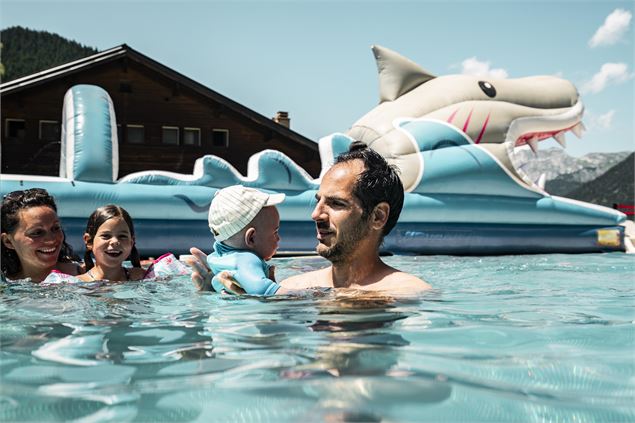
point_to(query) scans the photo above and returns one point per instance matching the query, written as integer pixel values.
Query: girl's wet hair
(12, 204)
(98, 218)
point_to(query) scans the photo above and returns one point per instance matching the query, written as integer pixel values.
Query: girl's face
(37, 240)
(112, 243)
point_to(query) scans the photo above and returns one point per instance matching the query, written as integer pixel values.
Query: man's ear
(6, 241)
(250, 237)
(379, 216)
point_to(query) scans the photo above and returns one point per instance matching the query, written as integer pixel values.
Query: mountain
(25, 51)
(565, 173)
(617, 185)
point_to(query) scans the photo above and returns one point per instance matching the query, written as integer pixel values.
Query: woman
(33, 243)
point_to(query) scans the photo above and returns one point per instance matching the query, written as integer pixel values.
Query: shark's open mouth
(529, 131)
(532, 138)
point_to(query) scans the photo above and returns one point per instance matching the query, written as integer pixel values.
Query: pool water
(540, 338)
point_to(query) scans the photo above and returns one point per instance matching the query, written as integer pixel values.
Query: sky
(313, 58)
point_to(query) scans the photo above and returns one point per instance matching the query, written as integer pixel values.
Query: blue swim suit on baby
(249, 270)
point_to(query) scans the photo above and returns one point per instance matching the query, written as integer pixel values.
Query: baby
(245, 223)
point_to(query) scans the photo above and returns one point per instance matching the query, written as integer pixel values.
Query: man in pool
(358, 203)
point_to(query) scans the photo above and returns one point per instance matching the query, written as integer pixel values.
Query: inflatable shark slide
(453, 139)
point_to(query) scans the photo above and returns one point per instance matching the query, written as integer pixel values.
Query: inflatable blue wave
(465, 201)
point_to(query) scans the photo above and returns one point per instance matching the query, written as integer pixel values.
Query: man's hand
(201, 274)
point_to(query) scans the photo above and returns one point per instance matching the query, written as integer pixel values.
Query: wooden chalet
(165, 119)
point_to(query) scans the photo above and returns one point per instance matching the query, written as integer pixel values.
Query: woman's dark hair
(378, 182)
(12, 204)
(96, 219)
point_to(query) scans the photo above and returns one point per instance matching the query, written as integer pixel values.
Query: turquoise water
(545, 338)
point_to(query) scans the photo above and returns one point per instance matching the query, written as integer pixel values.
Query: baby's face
(266, 239)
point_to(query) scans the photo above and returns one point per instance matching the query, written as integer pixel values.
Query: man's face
(338, 214)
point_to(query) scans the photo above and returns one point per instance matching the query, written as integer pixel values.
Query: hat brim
(274, 199)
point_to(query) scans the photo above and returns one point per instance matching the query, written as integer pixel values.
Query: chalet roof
(125, 51)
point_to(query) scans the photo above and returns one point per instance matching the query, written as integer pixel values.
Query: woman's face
(37, 240)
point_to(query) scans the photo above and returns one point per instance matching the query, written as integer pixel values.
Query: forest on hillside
(26, 51)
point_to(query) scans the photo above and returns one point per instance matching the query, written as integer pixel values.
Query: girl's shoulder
(70, 268)
(136, 273)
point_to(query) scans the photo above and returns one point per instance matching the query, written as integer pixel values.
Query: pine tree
(26, 51)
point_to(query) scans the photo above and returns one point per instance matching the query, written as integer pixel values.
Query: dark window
(15, 128)
(192, 136)
(50, 130)
(220, 138)
(135, 133)
(170, 135)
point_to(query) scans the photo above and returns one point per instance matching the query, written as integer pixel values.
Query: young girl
(110, 239)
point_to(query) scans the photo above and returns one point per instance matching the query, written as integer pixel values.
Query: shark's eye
(487, 88)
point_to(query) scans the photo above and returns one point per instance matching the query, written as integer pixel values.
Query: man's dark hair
(377, 183)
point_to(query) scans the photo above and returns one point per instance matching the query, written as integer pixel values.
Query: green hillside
(25, 51)
(615, 186)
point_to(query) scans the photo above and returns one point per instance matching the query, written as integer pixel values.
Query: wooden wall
(144, 97)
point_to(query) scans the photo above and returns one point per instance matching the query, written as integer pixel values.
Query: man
(358, 203)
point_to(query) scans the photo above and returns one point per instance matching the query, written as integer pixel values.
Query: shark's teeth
(541, 181)
(518, 163)
(533, 144)
(578, 129)
(560, 137)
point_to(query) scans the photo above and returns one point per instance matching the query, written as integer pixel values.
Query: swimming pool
(510, 338)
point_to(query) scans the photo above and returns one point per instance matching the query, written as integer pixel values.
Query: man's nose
(318, 212)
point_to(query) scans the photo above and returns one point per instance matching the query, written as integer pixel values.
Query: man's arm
(315, 279)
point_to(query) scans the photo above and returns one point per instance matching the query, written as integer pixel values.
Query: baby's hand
(226, 279)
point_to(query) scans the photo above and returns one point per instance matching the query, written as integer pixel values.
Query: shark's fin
(397, 74)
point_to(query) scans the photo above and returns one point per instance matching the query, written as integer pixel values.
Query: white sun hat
(234, 207)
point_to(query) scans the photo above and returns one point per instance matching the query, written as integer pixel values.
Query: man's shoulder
(402, 281)
(315, 279)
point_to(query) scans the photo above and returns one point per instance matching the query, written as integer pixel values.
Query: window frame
(135, 126)
(226, 132)
(178, 135)
(193, 129)
(39, 130)
(7, 121)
